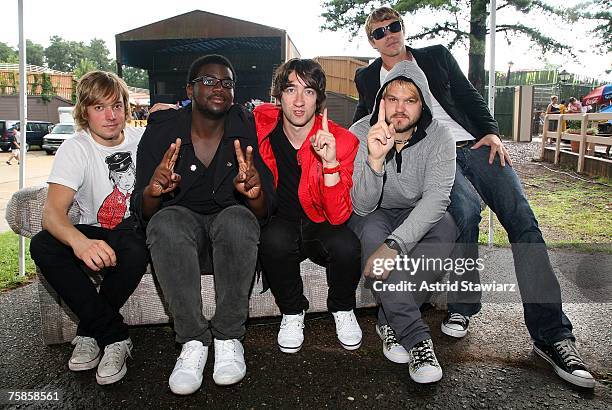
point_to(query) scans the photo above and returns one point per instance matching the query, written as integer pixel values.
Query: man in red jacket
(311, 159)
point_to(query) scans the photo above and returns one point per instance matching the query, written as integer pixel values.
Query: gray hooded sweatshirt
(426, 175)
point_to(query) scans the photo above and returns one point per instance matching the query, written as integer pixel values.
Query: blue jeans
(500, 188)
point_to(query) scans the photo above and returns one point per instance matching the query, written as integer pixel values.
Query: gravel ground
(522, 152)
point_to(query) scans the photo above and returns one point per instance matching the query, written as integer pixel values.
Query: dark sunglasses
(212, 81)
(379, 33)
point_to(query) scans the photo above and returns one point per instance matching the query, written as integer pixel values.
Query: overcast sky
(84, 20)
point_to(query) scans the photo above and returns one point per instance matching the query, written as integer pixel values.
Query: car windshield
(63, 129)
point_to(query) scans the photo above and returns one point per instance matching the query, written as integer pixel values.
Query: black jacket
(447, 84)
(162, 130)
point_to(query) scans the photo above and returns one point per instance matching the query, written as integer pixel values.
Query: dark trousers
(284, 244)
(500, 188)
(97, 311)
(181, 243)
(400, 309)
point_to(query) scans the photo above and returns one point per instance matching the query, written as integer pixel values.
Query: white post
(23, 124)
(492, 26)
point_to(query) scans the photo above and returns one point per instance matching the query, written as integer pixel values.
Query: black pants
(284, 244)
(98, 312)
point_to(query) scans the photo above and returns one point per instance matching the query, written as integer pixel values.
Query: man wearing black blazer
(484, 163)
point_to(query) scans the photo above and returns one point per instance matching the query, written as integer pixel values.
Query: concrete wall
(38, 110)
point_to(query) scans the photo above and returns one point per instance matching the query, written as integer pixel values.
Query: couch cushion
(24, 210)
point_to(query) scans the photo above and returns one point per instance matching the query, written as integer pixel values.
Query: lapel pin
(229, 164)
(193, 167)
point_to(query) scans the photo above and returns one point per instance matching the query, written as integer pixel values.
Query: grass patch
(572, 214)
(9, 262)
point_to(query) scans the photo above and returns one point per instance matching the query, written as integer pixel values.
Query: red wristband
(331, 170)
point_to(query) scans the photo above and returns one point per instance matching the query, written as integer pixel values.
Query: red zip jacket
(321, 203)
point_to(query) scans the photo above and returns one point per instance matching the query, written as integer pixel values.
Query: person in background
(15, 146)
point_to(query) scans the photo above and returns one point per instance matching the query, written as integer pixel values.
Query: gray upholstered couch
(146, 305)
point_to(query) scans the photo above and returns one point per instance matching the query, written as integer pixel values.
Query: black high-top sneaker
(565, 359)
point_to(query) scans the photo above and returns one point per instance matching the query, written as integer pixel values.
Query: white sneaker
(347, 329)
(186, 377)
(424, 366)
(391, 347)
(113, 365)
(86, 354)
(291, 334)
(229, 362)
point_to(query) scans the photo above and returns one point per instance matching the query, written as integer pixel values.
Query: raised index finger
(381, 111)
(324, 123)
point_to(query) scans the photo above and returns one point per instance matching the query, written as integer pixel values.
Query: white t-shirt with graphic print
(103, 177)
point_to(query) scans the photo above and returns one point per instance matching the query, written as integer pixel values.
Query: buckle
(461, 144)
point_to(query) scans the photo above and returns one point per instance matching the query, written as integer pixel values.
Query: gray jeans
(181, 241)
(400, 309)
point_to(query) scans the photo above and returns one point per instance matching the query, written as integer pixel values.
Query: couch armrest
(24, 210)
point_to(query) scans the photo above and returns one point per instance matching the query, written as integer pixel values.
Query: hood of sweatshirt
(409, 71)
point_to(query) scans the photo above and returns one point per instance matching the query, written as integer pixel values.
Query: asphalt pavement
(492, 367)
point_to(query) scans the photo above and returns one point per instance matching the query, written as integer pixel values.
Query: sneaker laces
(114, 354)
(84, 345)
(423, 354)
(345, 319)
(292, 323)
(225, 351)
(569, 353)
(388, 335)
(188, 359)
(457, 318)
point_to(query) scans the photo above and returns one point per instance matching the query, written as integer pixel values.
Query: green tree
(84, 66)
(599, 12)
(450, 24)
(35, 53)
(98, 53)
(136, 77)
(8, 54)
(65, 55)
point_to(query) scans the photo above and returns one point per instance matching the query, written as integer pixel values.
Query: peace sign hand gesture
(164, 179)
(247, 181)
(380, 137)
(324, 143)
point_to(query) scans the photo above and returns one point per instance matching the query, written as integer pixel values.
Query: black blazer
(162, 130)
(447, 84)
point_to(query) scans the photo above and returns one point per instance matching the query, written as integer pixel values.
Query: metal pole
(23, 124)
(492, 26)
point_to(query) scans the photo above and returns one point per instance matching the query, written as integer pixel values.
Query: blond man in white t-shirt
(95, 168)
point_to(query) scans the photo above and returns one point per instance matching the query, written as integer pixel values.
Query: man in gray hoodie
(404, 172)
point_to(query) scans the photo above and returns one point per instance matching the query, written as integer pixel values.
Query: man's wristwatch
(392, 244)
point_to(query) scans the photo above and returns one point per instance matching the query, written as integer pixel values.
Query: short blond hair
(95, 87)
(405, 83)
(381, 14)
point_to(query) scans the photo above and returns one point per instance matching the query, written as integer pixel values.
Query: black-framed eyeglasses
(379, 33)
(212, 81)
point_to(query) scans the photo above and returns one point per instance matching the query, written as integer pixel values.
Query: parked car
(36, 130)
(6, 134)
(59, 133)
